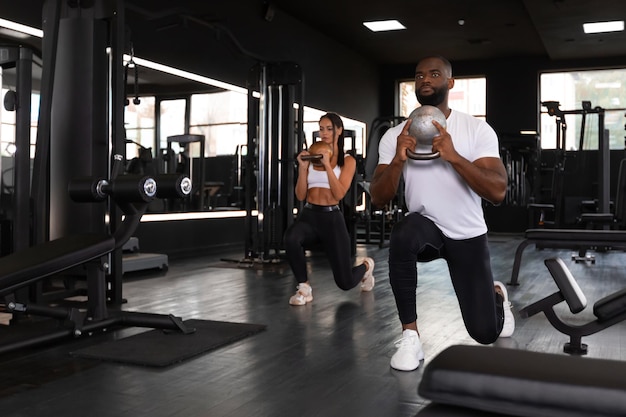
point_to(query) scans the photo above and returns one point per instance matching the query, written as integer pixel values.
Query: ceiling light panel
(384, 25)
(602, 27)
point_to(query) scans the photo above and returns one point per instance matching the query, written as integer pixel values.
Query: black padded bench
(482, 380)
(28, 266)
(608, 310)
(575, 239)
(90, 250)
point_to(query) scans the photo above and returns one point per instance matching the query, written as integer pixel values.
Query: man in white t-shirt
(445, 217)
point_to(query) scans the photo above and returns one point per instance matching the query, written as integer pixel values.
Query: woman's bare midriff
(321, 197)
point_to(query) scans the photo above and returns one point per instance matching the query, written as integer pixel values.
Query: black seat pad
(610, 306)
(524, 383)
(27, 266)
(587, 235)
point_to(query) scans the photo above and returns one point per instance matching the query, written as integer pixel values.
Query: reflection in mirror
(220, 116)
(165, 101)
(18, 135)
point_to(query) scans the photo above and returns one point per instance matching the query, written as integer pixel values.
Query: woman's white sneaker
(302, 296)
(367, 284)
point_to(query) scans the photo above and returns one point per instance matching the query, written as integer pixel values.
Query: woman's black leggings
(328, 229)
(417, 239)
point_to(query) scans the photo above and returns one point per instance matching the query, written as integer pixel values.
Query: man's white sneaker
(302, 296)
(409, 353)
(367, 284)
(509, 320)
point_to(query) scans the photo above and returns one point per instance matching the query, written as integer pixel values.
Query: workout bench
(495, 381)
(575, 239)
(608, 310)
(26, 267)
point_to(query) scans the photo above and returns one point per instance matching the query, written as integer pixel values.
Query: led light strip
(195, 215)
(21, 28)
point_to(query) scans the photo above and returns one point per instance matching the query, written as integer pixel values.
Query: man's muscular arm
(386, 179)
(486, 176)
(385, 183)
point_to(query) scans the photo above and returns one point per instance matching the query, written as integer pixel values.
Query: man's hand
(442, 143)
(405, 141)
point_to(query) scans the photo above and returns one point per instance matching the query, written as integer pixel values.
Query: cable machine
(275, 136)
(559, 168)
(80, 129)
(81, 120)
(184, 163)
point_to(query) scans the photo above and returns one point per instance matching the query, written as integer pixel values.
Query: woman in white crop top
(323, 186)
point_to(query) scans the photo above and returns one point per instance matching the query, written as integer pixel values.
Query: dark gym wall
(232, 38)
(238, 35)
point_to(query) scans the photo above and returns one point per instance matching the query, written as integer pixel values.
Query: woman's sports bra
(319, 179)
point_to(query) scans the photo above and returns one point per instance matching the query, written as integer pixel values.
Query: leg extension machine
(608, 310)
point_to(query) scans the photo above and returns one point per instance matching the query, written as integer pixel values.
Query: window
(140, 125)
(601, 89)
(468, 95)
(172, 120)
(222, 119)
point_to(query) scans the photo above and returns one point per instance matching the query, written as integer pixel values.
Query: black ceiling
(491, 28)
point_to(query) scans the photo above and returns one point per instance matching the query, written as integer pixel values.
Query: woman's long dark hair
(335, 119)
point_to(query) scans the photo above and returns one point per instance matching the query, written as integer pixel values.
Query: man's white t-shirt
(434, 189)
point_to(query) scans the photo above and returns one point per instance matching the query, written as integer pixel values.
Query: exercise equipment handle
(312, 157)
(173, 186)
(421, 156)
(88, 190)
(133, 189)
(125, 188)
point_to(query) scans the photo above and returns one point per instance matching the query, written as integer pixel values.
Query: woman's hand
(302, 164)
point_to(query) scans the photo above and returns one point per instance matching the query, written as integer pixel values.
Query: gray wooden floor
(329, 358)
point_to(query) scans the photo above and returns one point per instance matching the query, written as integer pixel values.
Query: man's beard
(436, 98)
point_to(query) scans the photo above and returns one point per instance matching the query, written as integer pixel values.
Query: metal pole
(283, 107)
(21, 225)
(604, 164)
(264, 104)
